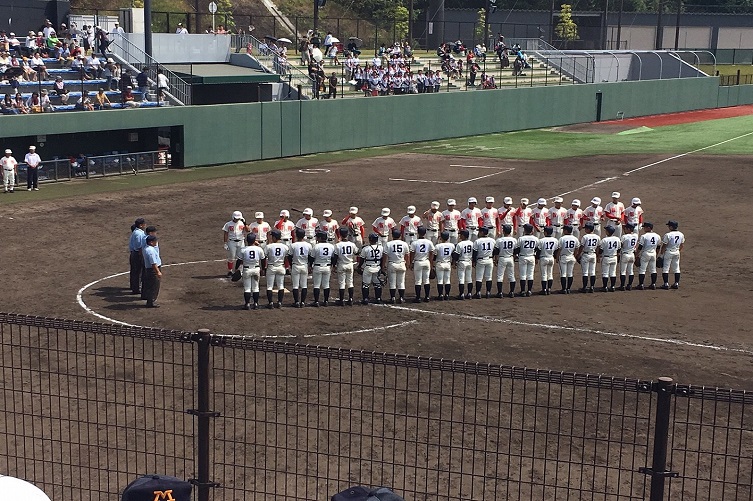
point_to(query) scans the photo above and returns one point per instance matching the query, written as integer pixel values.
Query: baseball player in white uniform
(286, 227)
(557, 215)
(672, 244)
(276, 254)
(525, 248)
(355, 225)
(586, 255)
(593, 214)
(233, 235)
(409, 225)
(483, 252)
(568, 245)
(489, 216)
(346, 252)
(613, 213)
(539, 218)
(260, 228)
(421, 254)
(634, 214)
(506, 215)
(648, 244)
(252, 259)
(370, 264)
(574, 217)
(395, 261)
(505, 249)
(470, 218)
(628, 244)
(10, 171)
(451, 220)
(382, 226)
(522, 216)
(463, 258)
(609, 246)
(298, 255)
(321, 265)
(308, 224)
(433, 222)
(546, 248)
(329, 226)
(443, 265)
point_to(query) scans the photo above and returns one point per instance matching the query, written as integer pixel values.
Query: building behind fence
(88, 407)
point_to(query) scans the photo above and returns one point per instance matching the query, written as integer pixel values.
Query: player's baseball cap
(373, 237)
(596, 200)
(472, 200)
(445, 235)
(300, 233)
(507, 200)
(673, 224)
(490, 200)
(524, 201)
(308, 211)
(8, 152)
(615, 194)
(435, 205)
(483, 230)
(237, 215)
(343, 232)
(558, 200)
(629, 226)
(411, 209)
(575, 202)
(528, 228)
(636, 201)
(548, 230)
(506, 228)
(251, 238)
(589, 225)
(32, 148)
(385, 212)
(353, 210)
(144, 488)
(648, 225)
(568, 228)
(451, 201)
(259, 215)
(327, 213)
(609, 229)
(464, 233)
(285, 213)
(396, 233)
(541, 201)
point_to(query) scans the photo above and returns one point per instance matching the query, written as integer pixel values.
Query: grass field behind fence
(541, 144)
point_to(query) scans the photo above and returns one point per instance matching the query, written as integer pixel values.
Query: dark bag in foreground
(360, 493)
(157, 487)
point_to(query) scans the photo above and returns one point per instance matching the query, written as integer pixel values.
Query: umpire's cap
(673, 224)
(151, 487)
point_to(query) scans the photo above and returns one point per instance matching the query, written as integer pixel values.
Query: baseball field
(65, 247)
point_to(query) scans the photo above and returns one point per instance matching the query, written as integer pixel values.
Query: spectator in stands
(84, 103)
(117, 31)
(29, 74)
(38, 64)
(107, 71)
(52, 42)
(14, 83)
(79, 165)
(127, 99)
(64, 33)
(209, 30)
(31, 44)
(181, 30)
(142, 81)
(116, 76)
(103, 41)
(163, 84)
(3, 41)
(93, 66)
(58, 87)
(14, 45)
(64, 55)
(44, 101)
(34, 103)
(332, 82)
(101, 101)
(89, 36)
(332, 54)
(79, 65)
(473, 71)
(221, 30)
(47, 28)
(6, 106)
(126, 80)
(4, 61)
(20, 105)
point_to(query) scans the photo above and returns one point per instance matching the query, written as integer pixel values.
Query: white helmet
(451, 201)
(435, 205)
(284, 212)
(596, 200)
(490, 200)
(615, 194)
(385, 212)
(508, 200)
(575, 202)
(327, 213)
(541, 201)
(524, 201)
(353, 210)
(411, 209)
(472, 200)
(259, 215)
(636, 201)
(237, 215)
(308, 211)
(15, 488)
(558, 200)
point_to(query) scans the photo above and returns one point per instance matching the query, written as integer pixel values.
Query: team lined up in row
(270, 251)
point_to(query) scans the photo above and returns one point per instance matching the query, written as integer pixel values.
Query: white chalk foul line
(82, 303)
(577, 329)
(500, 170)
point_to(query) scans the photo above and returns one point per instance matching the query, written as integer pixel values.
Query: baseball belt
(473, 227)
(452, 231)
(413, 234)
(318, 264)
(431, 230)
(250, 267)
(234, 240)
(557, 225)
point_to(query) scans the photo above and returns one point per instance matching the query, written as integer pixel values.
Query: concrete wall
(228, 133)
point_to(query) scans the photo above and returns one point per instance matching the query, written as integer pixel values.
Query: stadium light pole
(486, 22)
(148, 28)
(677, 24)
(316, 16)
(619, 23)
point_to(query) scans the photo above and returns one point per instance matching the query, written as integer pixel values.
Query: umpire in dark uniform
(153, 272)
(135, 258)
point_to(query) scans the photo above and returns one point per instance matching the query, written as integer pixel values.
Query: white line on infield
(344, 333)
(421, 180)
(576, 329)
(481, 167)
(500, 170)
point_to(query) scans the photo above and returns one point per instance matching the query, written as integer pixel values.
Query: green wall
(250, 131)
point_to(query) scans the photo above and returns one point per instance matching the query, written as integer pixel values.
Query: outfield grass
(727, 69)
(542, 144)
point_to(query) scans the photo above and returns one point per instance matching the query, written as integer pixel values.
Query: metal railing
(565, 63)
(99, 166)
(134, 58)
(87, 407)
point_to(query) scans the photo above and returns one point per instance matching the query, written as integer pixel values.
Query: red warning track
(685, 117)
